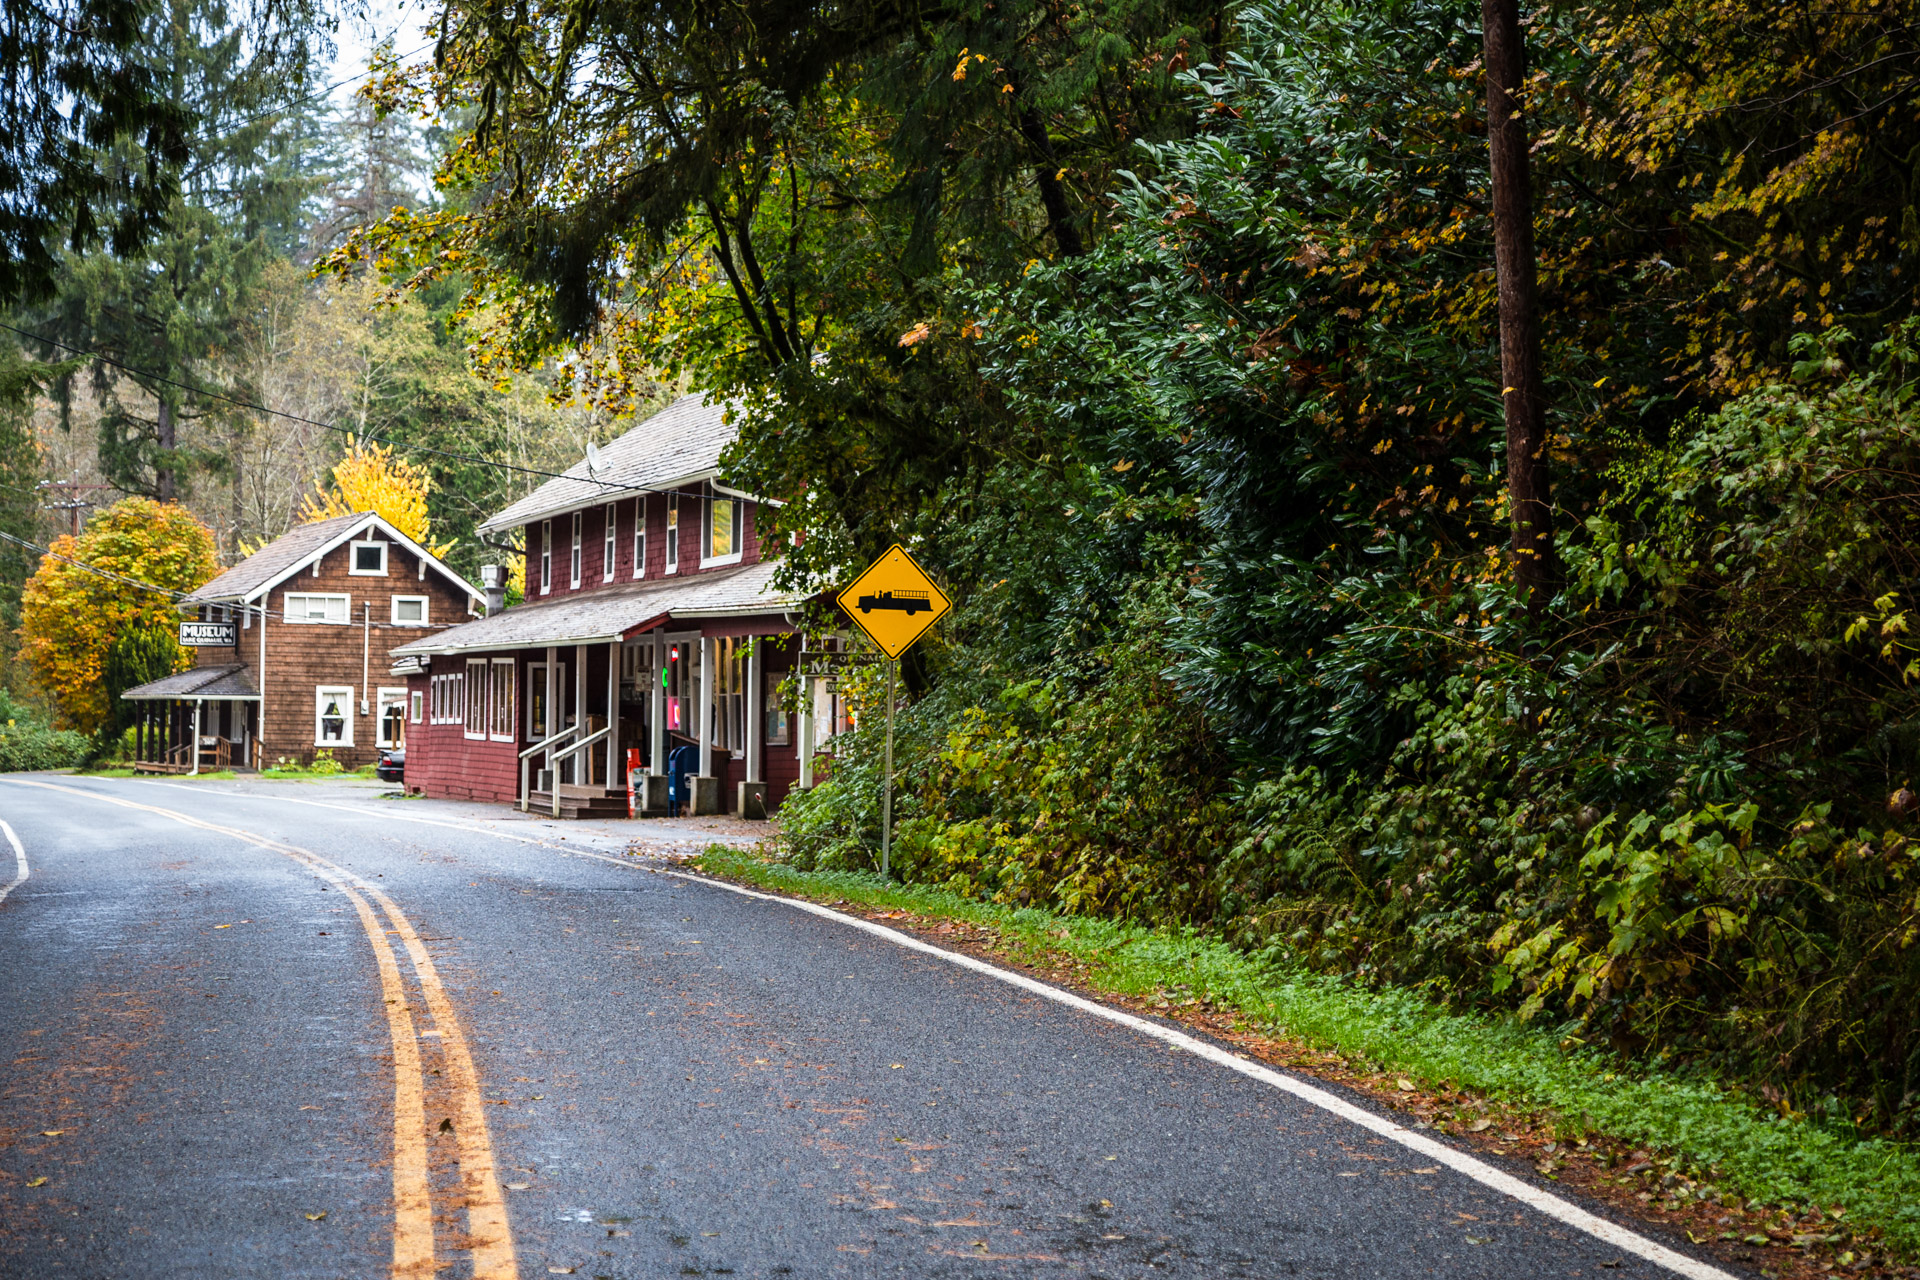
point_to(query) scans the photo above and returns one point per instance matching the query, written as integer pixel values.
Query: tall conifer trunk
(163, 487)
(1524, 396)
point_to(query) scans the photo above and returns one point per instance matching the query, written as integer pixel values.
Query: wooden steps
(581, 802)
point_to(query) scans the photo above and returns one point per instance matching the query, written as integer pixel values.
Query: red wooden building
(650, 625)
(290, 649)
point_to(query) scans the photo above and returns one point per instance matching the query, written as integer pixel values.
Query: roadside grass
(300, 773)
(1767, 1159)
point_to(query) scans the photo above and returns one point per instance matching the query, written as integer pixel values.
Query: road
(275, 1030)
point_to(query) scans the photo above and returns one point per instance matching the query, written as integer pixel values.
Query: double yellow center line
(488, 1240)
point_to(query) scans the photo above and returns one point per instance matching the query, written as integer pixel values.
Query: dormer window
(546, 556)
(369, 559)
(722, 531)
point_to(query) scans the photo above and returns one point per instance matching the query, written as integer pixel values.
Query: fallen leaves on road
(51, 1133)
(36, 1182)
(518, 1186)
(446, 1126)
(317, 1217)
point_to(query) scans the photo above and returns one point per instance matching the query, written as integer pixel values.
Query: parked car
(392, 766)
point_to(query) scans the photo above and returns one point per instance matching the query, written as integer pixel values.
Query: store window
(500, 719)
(475, 718)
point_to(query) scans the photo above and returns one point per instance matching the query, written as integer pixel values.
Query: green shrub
(26, 747)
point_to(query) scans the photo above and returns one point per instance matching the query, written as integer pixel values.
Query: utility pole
(1523, 389)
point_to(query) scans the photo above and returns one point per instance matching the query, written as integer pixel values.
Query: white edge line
(1479, 1170)
(19, 856)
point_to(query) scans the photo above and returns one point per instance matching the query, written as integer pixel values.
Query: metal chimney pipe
(494, 578)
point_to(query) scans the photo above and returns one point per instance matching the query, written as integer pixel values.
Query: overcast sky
(358, 36)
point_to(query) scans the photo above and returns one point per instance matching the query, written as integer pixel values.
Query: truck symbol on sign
(908, 602)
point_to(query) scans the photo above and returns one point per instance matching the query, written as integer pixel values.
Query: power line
(328, 426)
(122, 579)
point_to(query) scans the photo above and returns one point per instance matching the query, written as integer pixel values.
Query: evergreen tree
(161, 318)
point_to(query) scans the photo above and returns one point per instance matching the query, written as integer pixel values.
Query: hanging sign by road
(894, 601)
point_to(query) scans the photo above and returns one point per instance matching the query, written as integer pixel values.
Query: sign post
(894, 602)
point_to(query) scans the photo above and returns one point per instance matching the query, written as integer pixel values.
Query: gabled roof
(678, 445)
(299, 547)
(231, 682)
(614, 613)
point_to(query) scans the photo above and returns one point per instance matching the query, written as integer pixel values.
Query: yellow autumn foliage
(370, 478)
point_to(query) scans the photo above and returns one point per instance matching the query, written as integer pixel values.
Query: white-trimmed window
(448, 696)
(573, 561)
(391, 726)
(409, 611)
(500, 718)
(475, 718)
(673, 533)
(546, 556)
(317, 607)
(610, 550)
(722, 525)
(416, 708)
(640, 536)
(333, 716)
(367, 559)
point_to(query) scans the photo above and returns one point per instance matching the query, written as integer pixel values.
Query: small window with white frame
(546, 556)
(640, 536)
(500, 717)
(316, 607)
(573, 555)
(367, 559)
(333, 716)
(416, 707)
(410, 611)
(610, 548)
(673, 533)
(475, 718)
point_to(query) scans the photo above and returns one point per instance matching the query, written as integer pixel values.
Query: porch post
(756, 718)
(582, 760)
(553, 723)
(196, 739)
(657, 700)
(613, 714)
(708, 661)
(806, 728)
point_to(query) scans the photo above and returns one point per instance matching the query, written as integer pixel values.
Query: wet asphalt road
(677, 1081)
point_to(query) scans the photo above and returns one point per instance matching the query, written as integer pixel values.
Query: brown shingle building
(291, 650)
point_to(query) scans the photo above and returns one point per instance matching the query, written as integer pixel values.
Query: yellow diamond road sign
(894, 601)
